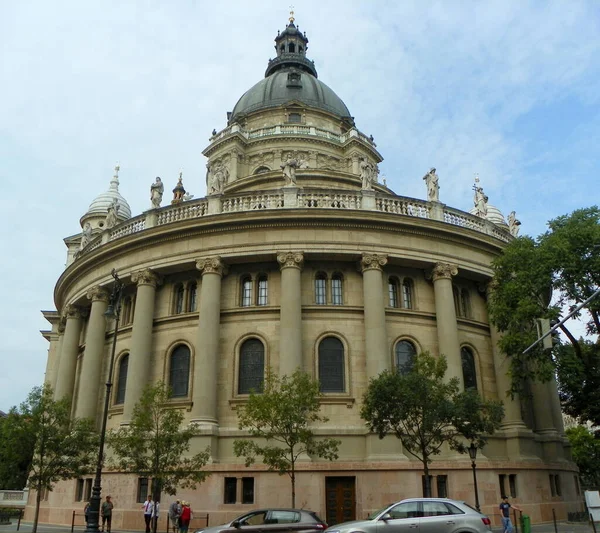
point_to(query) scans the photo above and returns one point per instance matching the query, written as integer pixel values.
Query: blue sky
(507, 89)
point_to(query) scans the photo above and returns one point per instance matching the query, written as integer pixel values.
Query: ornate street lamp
(113, 311)
(473, 455)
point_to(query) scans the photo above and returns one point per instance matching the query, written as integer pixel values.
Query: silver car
(420, 515)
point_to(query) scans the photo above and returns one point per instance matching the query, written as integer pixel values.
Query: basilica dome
(102, 202)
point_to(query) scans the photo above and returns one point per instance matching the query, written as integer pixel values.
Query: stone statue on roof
(156, 192)
(86, 236)
(368, 174)
(217, 176)
(513, 224)
(112, 218)
(433, 185)
(289, 167)
(480, 199)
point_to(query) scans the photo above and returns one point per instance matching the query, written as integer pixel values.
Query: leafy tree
(537, 278)
(17, 443)
(424, 411)
(154, 444)
(585, 448)
(281, 415)
(64, 448)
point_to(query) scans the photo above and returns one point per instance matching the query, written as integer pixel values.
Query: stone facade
(288, 267)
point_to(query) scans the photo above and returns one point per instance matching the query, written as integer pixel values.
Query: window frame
(246, 291)
(121, 380)
(262, 290)
(323, 370)
(242, 387)
(393, 292)
(320, 286)
(404, 340)
(467, 352)
(408, 293)
(174, 394)
(337, 289)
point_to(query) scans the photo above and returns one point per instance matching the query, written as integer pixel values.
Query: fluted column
(90, 378)
(52, 364)
(542, 408)
(376, 342)
(445, 313)
(290, 318)
(65, 380)
(204, 408)
(140, 358)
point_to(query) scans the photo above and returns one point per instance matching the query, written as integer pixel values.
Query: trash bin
(525, 523)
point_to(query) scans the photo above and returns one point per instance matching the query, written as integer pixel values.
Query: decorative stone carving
(373, 262)
(112, 213)
(480, 199)
(289, 167)
(97, 293)
(217, 176)
(367, 174)
(211, 265)
(443, 271)
(73, 311)
(146, 277)
(179, 191)
(156, 192)
(433, 185)
(513, 224)
(290, 260)
(62, 323)
(86, 236)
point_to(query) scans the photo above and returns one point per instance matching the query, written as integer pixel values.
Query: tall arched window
(468, 368)
(179, 372)
(263, 292)
(407, 293)
(393, 292)
(405, 355)
(179, 294)
(321, 288)
(192, 297)
(331, 365)
(337, 297)
(246, 296)
(252, 367)
(465, 303)
(122, 379)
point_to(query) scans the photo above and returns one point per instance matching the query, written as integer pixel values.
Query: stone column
(557, 417)
(445, 313)
(233, 170)
(542, 409)
(206, 372)
(90, 378)
(140, 355)
(65, 380)
(290, 318)
(54, 361)
(377, 352)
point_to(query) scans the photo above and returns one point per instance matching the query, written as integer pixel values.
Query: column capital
(212, 265)
(73, 311)
(146, 277)
(62, 324)
(290, 260)
(98, 294)
(372, 262)
(443, 271)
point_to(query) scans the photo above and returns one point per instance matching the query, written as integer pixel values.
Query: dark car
(423, 515)
(271, 521)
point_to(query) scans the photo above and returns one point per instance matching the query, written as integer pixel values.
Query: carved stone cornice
(73, 311)
(98, 294)
(212, 265)
(443, 271)
(290, 260)
(62, 324)
(372, 262)
(146, 277)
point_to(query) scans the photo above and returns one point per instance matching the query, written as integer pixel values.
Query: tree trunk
(38, 499)
(293, 477)
(156, 492)
(427, 484)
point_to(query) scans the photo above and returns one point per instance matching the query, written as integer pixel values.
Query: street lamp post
(113, 311)
(473, 455)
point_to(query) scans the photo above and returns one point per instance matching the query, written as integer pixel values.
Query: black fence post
(516, 524)
(21, 512)
(592, 521)
(554, 520)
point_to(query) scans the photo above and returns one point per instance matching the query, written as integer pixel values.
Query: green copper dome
(290, 76)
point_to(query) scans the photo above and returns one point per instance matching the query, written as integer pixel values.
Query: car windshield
(374, 515)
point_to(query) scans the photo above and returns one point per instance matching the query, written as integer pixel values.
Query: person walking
(174, 512)
(504, 507)
(185, 517)
(155, 515)
(148, 511)
(86, 513)
(106, 512)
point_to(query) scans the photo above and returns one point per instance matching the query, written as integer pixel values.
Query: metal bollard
(554, 520)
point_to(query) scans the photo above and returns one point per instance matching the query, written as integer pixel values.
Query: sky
(507, 89)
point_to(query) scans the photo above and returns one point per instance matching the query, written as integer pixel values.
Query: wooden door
(340, 494)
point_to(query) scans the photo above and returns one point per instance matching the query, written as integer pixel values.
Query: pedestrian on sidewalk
(174, 512)
(106, 512)
(148, 508)
(505, 514)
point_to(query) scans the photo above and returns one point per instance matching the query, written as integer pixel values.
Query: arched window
(122, 379)
(456, 295)
(405, 355)
(331, 365)
(291, 48)
(321, 288)
(252, 367)
(179, 294)
(465, 303)
(246, 296)
(393, 292)
(407, 293)
(337, 297)
(262, 169)
(263, 292)
(468, 368)
(179, 372)
(192, 297)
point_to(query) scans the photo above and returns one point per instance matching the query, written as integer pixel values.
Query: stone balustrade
(303, 198)
(14, 498)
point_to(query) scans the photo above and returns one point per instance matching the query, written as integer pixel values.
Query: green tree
(425, 411)
(17, 443)
(281, 416)
(155, 443)
(64, 448)
(585, 448)
(538, 278)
